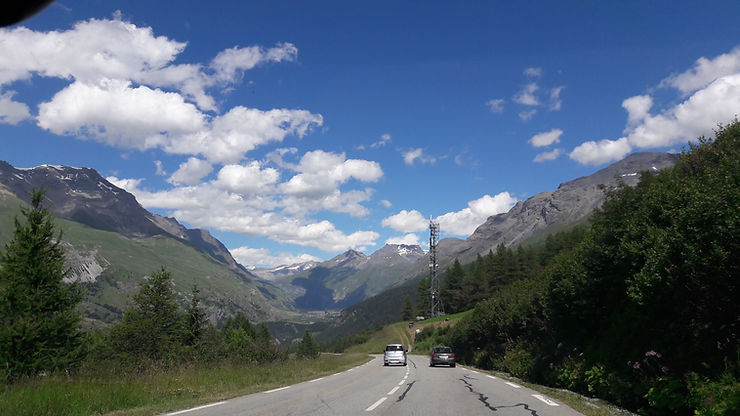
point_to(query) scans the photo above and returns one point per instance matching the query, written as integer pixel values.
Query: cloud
(228, 64)
(526, 96)
(533, 72)
(406, 221)
(384, 139)
(322, 172)
(12, 112)
(545, 156)
(122, 86)
(465, 221)
(91, 51)
(262, 257)
(386, 203)
(711, 95)
(462, 222)
(555, 101)
(160, 168)
(704, 72)
(698, 115)
(407, 239)
(496, 105)
(638, 108)
(526, 115)
(411, 156)
(126, 91)
(115, 113)
(246, 180)
(229, 137)
(255, 216)
(602, 151)
(546, 139)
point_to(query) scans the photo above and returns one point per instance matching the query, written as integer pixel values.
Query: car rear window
(445, 350)
(393, 348)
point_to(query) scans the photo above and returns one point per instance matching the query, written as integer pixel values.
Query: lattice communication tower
(435, 305)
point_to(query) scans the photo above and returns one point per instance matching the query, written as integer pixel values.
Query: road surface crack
(484, 399)
(403, 395)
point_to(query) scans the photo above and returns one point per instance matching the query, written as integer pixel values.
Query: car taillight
(434, 355)
(452, 355)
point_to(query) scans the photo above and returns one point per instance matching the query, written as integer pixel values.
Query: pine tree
(195, 319)
(307, 347)
(39, 321)
(151, 327)
(408, 309)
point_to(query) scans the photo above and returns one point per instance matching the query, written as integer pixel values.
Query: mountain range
(113, 242)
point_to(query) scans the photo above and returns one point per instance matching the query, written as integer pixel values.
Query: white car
(394, 354)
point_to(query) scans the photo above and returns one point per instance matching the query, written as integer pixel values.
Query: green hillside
(125, 262)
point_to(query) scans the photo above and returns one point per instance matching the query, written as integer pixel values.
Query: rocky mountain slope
(547, 212)
(345, 279)
(113, 242)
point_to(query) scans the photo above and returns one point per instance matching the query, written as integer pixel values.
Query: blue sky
(295, 130)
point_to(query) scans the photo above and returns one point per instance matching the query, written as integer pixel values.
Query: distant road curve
(372, 389)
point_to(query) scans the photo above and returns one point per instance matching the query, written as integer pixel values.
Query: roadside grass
(389, 334)
(107, 392)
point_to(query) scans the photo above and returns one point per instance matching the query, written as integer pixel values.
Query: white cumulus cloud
(407, 239)
(12, 112)
(546, 138)
(465, 221)
(705, 71)
(190, 172)
(714, 87)
(406, 221)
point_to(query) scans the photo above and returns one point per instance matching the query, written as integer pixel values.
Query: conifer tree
(151, 327)
(195, 319)
(39, 321)
(307, 347)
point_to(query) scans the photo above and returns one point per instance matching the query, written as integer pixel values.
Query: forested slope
(643, 311)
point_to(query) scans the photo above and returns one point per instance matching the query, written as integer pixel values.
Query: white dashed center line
(274, 390)
(194, 409)
(376, 404)
(516, 386)
(545, 399)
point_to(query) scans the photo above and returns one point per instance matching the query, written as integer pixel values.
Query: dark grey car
(442, 355)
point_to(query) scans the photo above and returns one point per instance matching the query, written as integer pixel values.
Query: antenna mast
(435, 308)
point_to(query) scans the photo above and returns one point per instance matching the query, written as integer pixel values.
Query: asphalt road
(372, 389)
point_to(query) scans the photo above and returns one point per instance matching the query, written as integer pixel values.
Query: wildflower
(636, 365)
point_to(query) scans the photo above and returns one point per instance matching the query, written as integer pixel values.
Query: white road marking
(317, 379)
(545, 399)
(278, 389)
(376, 404)
(402, 381)
(395, 389)
(492, 377)
(516, 386)
(195, 408)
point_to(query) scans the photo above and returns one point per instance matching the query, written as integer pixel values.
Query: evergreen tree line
(640, 309)
(40, 322)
